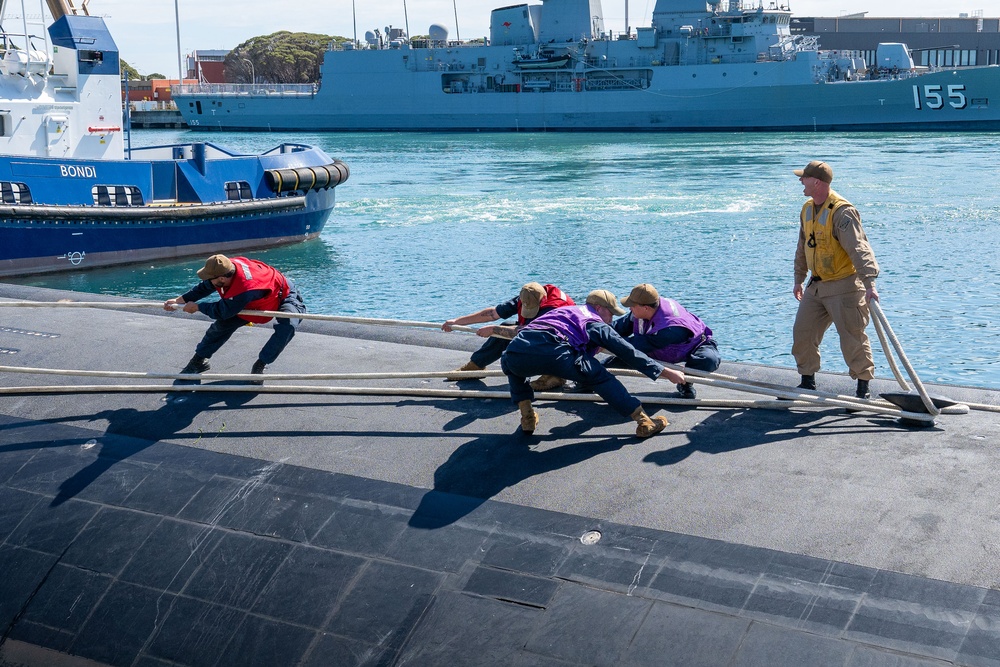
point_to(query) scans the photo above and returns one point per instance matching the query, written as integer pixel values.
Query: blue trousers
(535, 352)
(491, 351)
(284, 331)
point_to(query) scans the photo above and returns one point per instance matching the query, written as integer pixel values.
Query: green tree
(132, 74)
(128, 72)
(281, 57)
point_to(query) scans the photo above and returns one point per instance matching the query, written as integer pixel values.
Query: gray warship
(700, 66)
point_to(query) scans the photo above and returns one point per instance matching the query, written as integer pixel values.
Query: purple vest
(672, 314)
(570, 323)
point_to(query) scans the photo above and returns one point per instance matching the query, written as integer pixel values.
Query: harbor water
(433, 226)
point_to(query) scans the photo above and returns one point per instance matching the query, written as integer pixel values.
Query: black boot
(862, 391)
(686, 390)
(197, 364)
(258, 369)
(808, 382)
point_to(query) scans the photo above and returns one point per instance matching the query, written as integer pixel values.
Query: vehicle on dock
(700, 66)
(74, 196)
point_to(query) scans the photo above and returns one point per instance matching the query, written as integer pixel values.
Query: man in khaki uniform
(842, 269)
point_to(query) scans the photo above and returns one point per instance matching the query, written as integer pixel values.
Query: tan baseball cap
(602, 297)
(816, 169)
(216, 266)
(642, 295)
(531, 299)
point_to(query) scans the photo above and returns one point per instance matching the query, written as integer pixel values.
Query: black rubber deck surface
(245, 529)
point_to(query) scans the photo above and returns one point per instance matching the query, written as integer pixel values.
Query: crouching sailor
(243, 284)
(563, 343)
(666, 331)
(534, 299)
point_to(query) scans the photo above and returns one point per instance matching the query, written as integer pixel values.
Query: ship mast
(60, 8)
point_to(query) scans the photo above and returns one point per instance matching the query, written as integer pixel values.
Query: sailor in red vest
(243, 284)
(534, 299)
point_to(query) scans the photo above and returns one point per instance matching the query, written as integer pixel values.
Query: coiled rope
(880, 317)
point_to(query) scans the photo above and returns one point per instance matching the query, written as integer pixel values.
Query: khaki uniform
(839, 301)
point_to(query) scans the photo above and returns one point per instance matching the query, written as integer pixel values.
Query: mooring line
(728, 382)
(444, 393)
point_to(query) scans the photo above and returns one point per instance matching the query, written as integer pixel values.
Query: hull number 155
(932, 96)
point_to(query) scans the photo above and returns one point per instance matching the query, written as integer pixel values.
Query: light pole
(177, 23)
(253, 73)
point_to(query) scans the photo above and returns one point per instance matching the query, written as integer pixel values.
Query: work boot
(648, 427)
(686, 390)
(469, 366)
(862, 391)
(529, 418)
(198, 364)
(808, 382)
(258, 369)
(547, 383)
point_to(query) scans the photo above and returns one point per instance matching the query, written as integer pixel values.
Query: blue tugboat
(70, 197)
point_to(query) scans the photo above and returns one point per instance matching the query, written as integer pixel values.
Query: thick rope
(738, 384)
(262, 313)
(928, 403)
(888, 355)
(797, 396)
(426, 393)
(728, 381)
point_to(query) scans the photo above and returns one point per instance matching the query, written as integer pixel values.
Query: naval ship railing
(247, 89)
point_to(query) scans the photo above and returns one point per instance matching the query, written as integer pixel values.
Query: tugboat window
(88, 56)
(117, 195)
(238, 191)
(14, 193)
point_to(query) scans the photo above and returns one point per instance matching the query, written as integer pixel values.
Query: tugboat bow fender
(165, 213)
(307, 178)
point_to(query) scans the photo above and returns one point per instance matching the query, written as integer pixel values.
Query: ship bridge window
(238, 191)
(116, 195)
(90, 56)
(15, 193)
(5, 124)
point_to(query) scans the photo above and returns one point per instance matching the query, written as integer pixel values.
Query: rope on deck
(792, 398)
(723, 381)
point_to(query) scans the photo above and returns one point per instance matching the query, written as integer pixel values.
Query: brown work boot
(469, 366)
(529, 418)
(648, 427)
(547, 383)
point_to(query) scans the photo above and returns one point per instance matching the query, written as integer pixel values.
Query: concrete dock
(214, 528)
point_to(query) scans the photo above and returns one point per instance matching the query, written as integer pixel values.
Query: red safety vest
(253, 275)
(554, 298)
